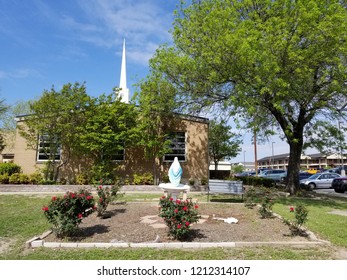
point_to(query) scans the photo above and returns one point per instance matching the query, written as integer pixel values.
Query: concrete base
(174, 191)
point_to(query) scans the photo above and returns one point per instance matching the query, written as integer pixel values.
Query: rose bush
(66, 213)
(178, 215)
(301, 213)
(106, 195)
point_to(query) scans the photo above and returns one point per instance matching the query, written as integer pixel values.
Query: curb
(38, 241)
(174, 245)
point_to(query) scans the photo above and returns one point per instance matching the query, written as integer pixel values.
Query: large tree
(156, 118)
(280, 62)
(3, 110)
(108, 129)
(223, 142)
(53, 124)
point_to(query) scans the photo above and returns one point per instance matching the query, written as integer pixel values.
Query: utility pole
(255, 152)
(272, 158)
(244, 160)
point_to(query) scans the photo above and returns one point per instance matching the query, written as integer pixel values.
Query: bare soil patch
(139, 222)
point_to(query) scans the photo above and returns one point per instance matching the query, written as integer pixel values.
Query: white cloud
(20, 74)
(144, 24)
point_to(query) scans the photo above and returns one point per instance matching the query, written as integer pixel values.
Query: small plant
(178, 215)
(35, 178)
(204, 181)
(250, 197)
(301, 214)
(66, 213)
(143, 179)
(106, 196)
(266, 204)
(9, 168)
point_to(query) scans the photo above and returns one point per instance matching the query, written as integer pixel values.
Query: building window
(119, 155)
(48, 149)
(177, 147)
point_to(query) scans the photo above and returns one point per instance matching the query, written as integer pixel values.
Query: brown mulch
(133, 222)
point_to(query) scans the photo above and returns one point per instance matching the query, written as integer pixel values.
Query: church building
(189, 144)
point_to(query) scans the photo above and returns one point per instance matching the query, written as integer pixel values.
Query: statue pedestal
(174, 191)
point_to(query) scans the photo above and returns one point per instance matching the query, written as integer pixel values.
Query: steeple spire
(124, 91)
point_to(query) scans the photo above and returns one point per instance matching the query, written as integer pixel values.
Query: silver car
(319, 181)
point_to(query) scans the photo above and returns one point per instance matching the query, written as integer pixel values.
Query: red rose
(187, 223)
(179, 226)
(185, 208)
(178, 201)
(176, 210)
(100, 199)
(100, 187)
(291, 209)
(89, 197)
(45, 208)
(80, 216)
(54, 198)
(72, 195)
(196, 206)
(94, 207)
(171, 199)
(163, 197)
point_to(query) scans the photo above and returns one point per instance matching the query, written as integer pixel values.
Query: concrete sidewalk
(32, 189)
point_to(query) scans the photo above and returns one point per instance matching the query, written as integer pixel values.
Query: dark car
(302, 175)
(339, 184)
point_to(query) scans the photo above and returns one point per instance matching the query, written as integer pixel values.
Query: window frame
(45, 154)
(173, 136)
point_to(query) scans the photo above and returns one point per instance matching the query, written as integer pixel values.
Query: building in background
(317, 160)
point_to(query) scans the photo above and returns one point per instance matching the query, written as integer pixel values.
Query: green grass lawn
(22, 218)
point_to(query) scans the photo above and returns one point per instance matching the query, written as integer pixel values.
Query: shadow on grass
(226, 199)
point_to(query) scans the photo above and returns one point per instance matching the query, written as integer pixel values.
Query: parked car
(319, 181)
(339, 184)
(275, 174)
(245, 174)
(302, 175)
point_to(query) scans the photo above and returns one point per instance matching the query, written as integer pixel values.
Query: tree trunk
(294, 166)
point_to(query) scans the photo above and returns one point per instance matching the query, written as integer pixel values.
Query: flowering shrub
(178, 215)
(66, 213)
(267, 202)
(301, 214)
(250, 197)
(106, 195)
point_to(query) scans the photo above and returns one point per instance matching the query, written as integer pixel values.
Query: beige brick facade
(195, 167)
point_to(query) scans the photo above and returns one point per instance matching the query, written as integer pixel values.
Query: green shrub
(14, 178)
(18, 178)
(143, 179)
(66, 213)
(35, 178)
(9, 168)
(165, 178)
(301, 213)
(267, 203)
(178, 215)
(204, 181)
(106, 195)
(82, 179)
(4, 178)
(250, 197)
(257, 181)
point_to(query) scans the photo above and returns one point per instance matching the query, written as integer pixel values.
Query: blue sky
(45, 43)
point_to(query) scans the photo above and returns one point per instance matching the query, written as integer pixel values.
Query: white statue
(175, 173)
(174, 188)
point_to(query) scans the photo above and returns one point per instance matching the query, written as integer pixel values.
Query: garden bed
(139, 222)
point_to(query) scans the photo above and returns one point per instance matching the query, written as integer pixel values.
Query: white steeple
(124, 91)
